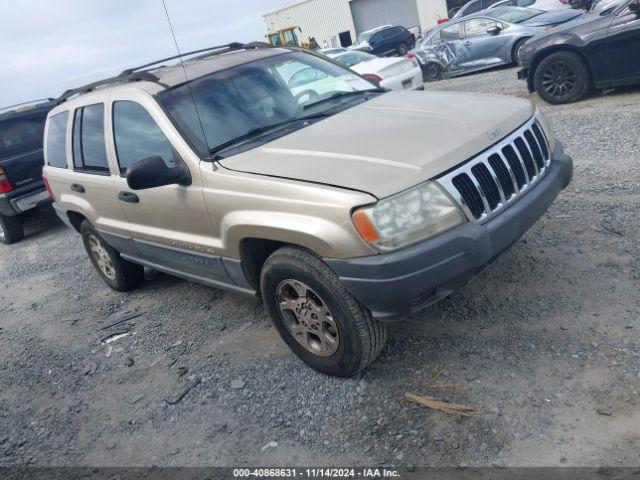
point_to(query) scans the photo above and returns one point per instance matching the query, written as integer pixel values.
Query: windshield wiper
(258, 131)
(343, 95)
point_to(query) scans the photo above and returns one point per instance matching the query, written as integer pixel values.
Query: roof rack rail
(31, 102)
(138, 73)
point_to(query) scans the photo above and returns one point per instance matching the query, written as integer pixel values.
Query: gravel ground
(544, 345)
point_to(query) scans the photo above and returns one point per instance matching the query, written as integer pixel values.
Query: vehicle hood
(553, 18)
(389, 143)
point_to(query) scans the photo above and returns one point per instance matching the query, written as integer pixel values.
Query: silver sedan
(483, 40)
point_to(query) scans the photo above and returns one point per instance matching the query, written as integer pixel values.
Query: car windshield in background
(353, 58)
(364, 37)
(21, 134)
(260, 98)
(514, 14)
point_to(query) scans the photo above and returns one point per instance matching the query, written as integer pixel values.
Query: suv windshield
(21, 133)
(514, 14)
(261, 98)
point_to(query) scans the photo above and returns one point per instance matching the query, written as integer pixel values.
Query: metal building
(336, 23)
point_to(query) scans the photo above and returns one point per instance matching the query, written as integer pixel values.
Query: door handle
(128, 197)
(467, 43)
(76, 187)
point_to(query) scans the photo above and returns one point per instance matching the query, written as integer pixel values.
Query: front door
(169, 226)
(623, 44)
(479, 48)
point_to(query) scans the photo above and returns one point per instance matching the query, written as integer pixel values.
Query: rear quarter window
(57, 140)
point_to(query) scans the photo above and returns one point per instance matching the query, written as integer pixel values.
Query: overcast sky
(49, 46)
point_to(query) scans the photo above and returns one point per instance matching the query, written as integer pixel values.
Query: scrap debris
(609, 230)
(446, 407)
(122, 319)
(172, 400)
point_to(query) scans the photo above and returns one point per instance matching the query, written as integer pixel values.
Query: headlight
(408, 217)
(542, 120)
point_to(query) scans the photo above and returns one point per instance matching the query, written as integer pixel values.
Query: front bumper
(394, 285)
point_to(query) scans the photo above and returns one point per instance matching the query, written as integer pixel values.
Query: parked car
(602, 50)
(331, 51)
(21, 158)
(475, 6)
(342, 214)
(396, 73)
(487, 39)
(385, 40)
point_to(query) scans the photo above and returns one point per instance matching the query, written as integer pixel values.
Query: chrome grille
(500, 175)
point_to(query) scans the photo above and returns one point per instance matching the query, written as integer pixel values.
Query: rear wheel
(11, 230)
(432, 72)
(117, 272)
(402, 49)
(317, 316)
(562, 77)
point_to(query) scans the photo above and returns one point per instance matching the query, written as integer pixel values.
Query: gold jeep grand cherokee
(340, 204)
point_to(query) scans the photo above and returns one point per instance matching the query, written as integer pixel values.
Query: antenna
(204, 135)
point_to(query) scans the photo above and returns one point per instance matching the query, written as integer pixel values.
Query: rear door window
(57, 140)
(137, 136)
(450, 33)
(21, 134)
(89, 153)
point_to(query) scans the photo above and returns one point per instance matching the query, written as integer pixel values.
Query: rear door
(479, 48)
(21, 155)
(448, 45)
(623, 47)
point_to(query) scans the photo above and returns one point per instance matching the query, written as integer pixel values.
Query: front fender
(324, 237)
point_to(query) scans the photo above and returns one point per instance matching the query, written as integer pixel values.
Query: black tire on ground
(562, 77)
(11, 230)
(118, 273)
(402, 49)
(432, 72)
(359, 338)
(515, 53)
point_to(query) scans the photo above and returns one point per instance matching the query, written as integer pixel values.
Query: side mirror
(493, 30)
(152, 172)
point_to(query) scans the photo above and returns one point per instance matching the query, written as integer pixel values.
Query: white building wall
(324, 19)
(321, 19)
(430, 11)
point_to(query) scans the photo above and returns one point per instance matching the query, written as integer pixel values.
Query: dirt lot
(544, 344)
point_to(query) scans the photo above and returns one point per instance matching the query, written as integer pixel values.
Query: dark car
(386, 40)
(21, 160)
(600, 50)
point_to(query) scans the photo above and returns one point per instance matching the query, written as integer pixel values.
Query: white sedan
(396, 73)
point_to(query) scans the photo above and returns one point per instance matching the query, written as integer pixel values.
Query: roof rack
(33, 103)
(139, 74)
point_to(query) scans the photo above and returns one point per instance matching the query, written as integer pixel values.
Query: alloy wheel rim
(307, 317)
(559, 80)
(101, 256)
(433, 71)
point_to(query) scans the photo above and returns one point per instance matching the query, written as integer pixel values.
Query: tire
(118, 273)
(432, 72)
(561, 77)
(344, 338)
(402, 49)
(11, 230)
(515, 53)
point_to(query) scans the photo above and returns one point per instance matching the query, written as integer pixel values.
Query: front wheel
(561, 77)
(317, 316)
(11, 230)
(517, 50)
